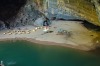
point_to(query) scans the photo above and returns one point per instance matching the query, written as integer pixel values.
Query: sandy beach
(81, 38)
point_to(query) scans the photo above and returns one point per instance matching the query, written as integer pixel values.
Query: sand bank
(79, 47)
(81, 38)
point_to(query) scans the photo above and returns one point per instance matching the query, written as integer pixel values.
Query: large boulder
(39, 21)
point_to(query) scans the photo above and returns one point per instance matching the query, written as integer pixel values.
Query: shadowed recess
(9, 8)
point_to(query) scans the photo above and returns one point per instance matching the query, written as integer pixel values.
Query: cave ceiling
(85, 9)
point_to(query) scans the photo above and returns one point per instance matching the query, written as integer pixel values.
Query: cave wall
(14, 13)
(57, 10)
(19, 13)
(97, 6)
(9, 8)
(69, 9)
(84, 9)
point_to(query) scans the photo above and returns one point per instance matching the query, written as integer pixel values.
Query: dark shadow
(91, 26)
(9, 8)
(85, 23)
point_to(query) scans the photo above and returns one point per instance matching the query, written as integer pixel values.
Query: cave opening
(10, 8)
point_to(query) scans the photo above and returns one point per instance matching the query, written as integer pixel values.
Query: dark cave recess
(9, 8)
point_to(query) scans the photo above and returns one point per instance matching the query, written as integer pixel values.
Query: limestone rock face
(2, 25)
(72, 9)
(97, 6)
(26, 15)
(14, 13)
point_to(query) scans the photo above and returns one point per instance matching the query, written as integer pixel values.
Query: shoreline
(81, 38)
(82, 48)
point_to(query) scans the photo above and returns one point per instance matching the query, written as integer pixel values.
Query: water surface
(22, 53)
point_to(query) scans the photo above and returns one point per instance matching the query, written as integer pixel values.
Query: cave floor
(79, 35)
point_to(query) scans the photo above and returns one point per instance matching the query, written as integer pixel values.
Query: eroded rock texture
(72, 9)
(14, 13)
(79, 9)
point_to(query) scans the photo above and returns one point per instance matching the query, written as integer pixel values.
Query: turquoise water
(22, 53)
